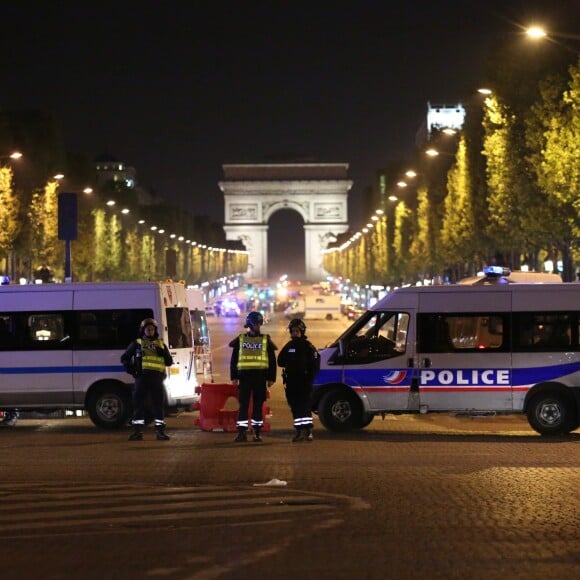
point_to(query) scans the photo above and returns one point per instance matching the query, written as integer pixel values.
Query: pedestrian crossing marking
(32, 509)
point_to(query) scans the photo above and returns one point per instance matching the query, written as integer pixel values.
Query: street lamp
(15, 155)
(537, 32)
(432, 152)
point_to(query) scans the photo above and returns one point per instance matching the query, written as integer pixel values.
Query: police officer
(253, 371)
(146, 358)
(301, 362)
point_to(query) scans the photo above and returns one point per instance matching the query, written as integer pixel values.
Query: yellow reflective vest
(253, 352)
(150, 360)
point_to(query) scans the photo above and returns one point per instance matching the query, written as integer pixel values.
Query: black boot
(241, 437)
(257, 436)
(308, 434)
(299, 435)
(161, 435)
(137, 434)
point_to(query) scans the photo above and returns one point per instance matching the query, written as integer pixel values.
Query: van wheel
(109, 407)
(329, 317)
(551, 413)
(367, 419)
(340, 411)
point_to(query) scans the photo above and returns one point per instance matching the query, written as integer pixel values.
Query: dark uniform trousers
(149, 384)
(251, 386)
(299, 397)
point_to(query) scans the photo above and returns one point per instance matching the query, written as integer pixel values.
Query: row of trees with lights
(506, 191)
(111, 245)
(118, 238)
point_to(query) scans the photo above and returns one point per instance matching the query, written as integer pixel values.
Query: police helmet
(297, 323)
(254, 318)
(147, 322)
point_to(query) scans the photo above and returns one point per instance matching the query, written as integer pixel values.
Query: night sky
(178, 88)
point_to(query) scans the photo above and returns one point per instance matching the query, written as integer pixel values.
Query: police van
(60, 346)
(479, 349)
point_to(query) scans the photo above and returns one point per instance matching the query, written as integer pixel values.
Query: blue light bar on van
(494, 271)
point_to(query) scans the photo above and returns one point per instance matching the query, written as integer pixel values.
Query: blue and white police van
(61, 344)
(482, 349)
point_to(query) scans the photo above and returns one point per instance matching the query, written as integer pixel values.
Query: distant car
(353, 313)
(230, 308)
(210, 310)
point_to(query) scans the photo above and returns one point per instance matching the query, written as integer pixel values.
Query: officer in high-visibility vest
(253, 371)
(146, 358)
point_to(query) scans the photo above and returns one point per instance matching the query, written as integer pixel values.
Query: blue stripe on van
(359, 376)
(61, 370)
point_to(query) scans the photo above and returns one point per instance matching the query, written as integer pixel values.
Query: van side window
(378, 336)
(470, 332)
(47, 327)
(6, 336)
(554, 331)
(108, 329)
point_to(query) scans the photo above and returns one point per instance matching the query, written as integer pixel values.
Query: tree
(47, 250)
(9, 211)
(554, 134)
(458, 227)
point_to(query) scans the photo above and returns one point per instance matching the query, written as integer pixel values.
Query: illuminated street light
(535, 32)
(538, 33)
(410, 173)
(485, 91)
(15, 155)
(435, 153)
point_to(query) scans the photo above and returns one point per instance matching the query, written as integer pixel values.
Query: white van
(482, 349)
(315, 307)
(60, 346)
(201, 335)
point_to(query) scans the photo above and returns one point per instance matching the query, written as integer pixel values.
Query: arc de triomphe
(254, 192)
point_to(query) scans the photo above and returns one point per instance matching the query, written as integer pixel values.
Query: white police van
(60, 346)
(497, 348)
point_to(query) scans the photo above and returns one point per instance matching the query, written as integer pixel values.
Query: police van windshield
(179, 331)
